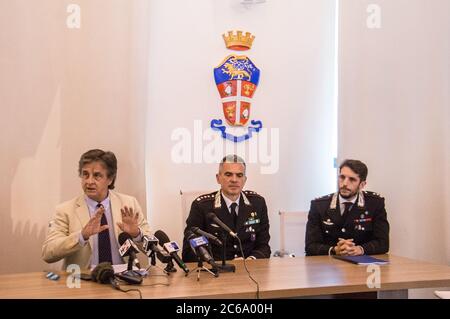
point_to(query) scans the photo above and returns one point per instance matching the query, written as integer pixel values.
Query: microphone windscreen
(195, 229)
(211, 215)
(105, 274)
(123, 238)
(162, 237)
(102, 272)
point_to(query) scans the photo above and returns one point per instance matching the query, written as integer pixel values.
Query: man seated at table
(245, 212)
(350, 222)
(85, 229)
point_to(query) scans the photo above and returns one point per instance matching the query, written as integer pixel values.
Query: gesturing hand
(129, 222)
(93, 226)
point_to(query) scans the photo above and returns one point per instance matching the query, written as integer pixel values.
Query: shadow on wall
(22, 251)
(31, 185)
(30, 189)
(30, 94)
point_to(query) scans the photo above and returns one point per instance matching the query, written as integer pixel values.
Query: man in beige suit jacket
(75, 229)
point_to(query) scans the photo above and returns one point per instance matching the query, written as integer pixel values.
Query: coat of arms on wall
(236, 80)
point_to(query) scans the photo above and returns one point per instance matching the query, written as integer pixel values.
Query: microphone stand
(169, 268)
(224, 267)
(201, 267)
(131, 276)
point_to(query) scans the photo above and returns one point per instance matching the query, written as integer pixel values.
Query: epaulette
(251, 193)
(326, 197)
(372, 194)
(205, 197)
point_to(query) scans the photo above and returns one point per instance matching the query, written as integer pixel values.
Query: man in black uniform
(350, 222)
(245, 212)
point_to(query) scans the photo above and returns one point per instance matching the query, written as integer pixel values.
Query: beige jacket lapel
(116, 205)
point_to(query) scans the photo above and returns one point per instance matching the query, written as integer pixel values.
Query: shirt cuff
(330, 251)
(81, 240)
(138, 238)
(362, 249)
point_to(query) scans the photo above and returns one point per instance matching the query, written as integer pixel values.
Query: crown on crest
(238, 41)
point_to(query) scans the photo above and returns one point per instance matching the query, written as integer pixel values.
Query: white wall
(394, 115)
(294, 48)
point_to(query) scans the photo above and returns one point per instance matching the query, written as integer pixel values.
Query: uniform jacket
(366, 223)
(252, 225)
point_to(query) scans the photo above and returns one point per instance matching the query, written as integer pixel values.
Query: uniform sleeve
(59, 243)
(262, 248)
(380, 242)
(314, 241)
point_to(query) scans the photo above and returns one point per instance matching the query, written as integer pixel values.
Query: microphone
(150, 243)
(216, 219)
(151, 246)
(172, 248)
(128, 248)
(198, 245)
(211, 237)
(103, 273)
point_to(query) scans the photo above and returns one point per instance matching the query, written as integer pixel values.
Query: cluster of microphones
(166, 251)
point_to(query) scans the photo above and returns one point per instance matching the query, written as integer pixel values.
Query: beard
(349, 193)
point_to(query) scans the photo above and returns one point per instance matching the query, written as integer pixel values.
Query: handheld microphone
(151, 246)
(128, 248)
(211, 237)
(216, 219)
(150, 243)
(172, 248)
(198, 245)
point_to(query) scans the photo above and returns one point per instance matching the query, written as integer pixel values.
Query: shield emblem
(236, 79)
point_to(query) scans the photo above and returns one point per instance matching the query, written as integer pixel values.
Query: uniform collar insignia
(246, 201)
(361, 200)
(334, 201)
(218, 204)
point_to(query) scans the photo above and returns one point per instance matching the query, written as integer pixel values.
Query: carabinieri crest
(237, 79)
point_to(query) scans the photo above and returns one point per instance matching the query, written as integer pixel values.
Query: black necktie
(347, 206)
(234, 214)
(104, 242)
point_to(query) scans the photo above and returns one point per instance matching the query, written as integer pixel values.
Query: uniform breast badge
(236, 80)
(252, 220)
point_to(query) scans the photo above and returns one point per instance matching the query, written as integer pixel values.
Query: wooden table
(277, 277)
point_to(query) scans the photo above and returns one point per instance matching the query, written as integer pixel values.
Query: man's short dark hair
(107, 158)
(357, 166)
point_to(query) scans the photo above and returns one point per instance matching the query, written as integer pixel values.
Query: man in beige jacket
(85, 230)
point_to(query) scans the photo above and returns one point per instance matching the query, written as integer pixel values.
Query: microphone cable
(246, 269)
(116, 285)
(167, 284)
